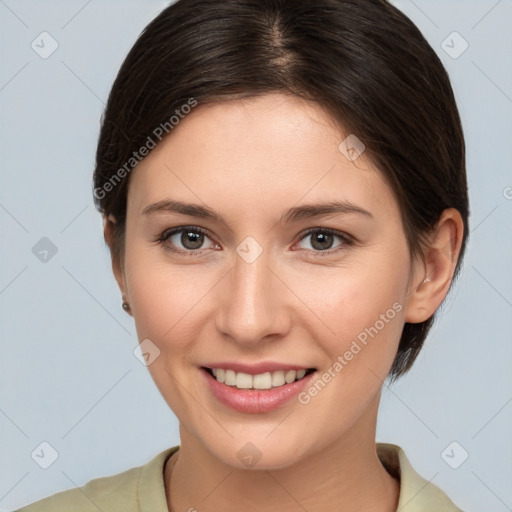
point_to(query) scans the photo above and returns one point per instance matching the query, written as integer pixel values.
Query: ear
(433, 274)
(117, 267)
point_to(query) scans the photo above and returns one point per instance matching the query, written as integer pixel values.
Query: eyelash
(167, 234)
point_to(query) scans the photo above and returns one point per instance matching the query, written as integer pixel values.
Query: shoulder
(100, 493)
(416, 493)
(115, 493)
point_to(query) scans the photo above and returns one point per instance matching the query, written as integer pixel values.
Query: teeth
(266, 380)
(290, 376)
(278, 379)
(230, 378)
(262, 381)
(243, 381)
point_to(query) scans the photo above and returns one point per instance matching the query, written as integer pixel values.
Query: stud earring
(126, 306)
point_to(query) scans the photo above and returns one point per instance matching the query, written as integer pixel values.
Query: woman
(284, 197)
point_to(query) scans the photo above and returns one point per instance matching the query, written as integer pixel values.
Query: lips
(260, 388)
(254, 368)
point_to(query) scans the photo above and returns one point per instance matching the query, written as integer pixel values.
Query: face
(294, 258)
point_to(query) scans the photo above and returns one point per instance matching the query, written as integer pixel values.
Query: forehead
(256, 153)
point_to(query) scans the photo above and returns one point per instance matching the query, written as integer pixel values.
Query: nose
(252, 306)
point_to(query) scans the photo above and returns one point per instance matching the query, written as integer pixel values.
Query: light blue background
(67, 372)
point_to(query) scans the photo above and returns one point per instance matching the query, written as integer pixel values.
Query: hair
(363, 61)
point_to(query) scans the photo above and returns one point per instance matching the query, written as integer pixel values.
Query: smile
(267, 380)
(255, 387)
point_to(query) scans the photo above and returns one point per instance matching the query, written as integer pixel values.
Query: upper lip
(256, 368)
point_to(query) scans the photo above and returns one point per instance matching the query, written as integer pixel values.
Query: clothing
(142, 489)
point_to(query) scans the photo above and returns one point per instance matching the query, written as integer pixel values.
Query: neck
(346, 475)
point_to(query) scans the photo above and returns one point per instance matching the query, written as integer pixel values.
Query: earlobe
(433, 276)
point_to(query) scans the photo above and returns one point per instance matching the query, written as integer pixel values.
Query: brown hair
(363, 61)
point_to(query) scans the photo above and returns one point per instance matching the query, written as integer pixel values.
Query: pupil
(191, 240)
(322, 241)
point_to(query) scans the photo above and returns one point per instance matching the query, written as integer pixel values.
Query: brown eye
(185, 240)
(322, 240)
(191, 239)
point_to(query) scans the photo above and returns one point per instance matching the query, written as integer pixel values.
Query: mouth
(261, 381)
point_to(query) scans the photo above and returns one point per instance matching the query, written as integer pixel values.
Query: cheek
(166, 305)
(348, 300)
(162, 296)
(362, 313)
(165, 308)
(367, 317)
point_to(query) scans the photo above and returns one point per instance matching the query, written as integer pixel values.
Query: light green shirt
(142, 489)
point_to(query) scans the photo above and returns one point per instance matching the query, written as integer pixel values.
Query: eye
(187, 240)
(190, 240)
(322, 240)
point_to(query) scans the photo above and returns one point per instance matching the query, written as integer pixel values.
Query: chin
(258, 451)
(249, 457)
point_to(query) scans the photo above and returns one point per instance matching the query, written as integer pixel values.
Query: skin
(250, 160)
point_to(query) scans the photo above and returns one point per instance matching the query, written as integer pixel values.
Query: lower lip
(255, 401)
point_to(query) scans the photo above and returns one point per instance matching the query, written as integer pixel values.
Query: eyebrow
(292, 215)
